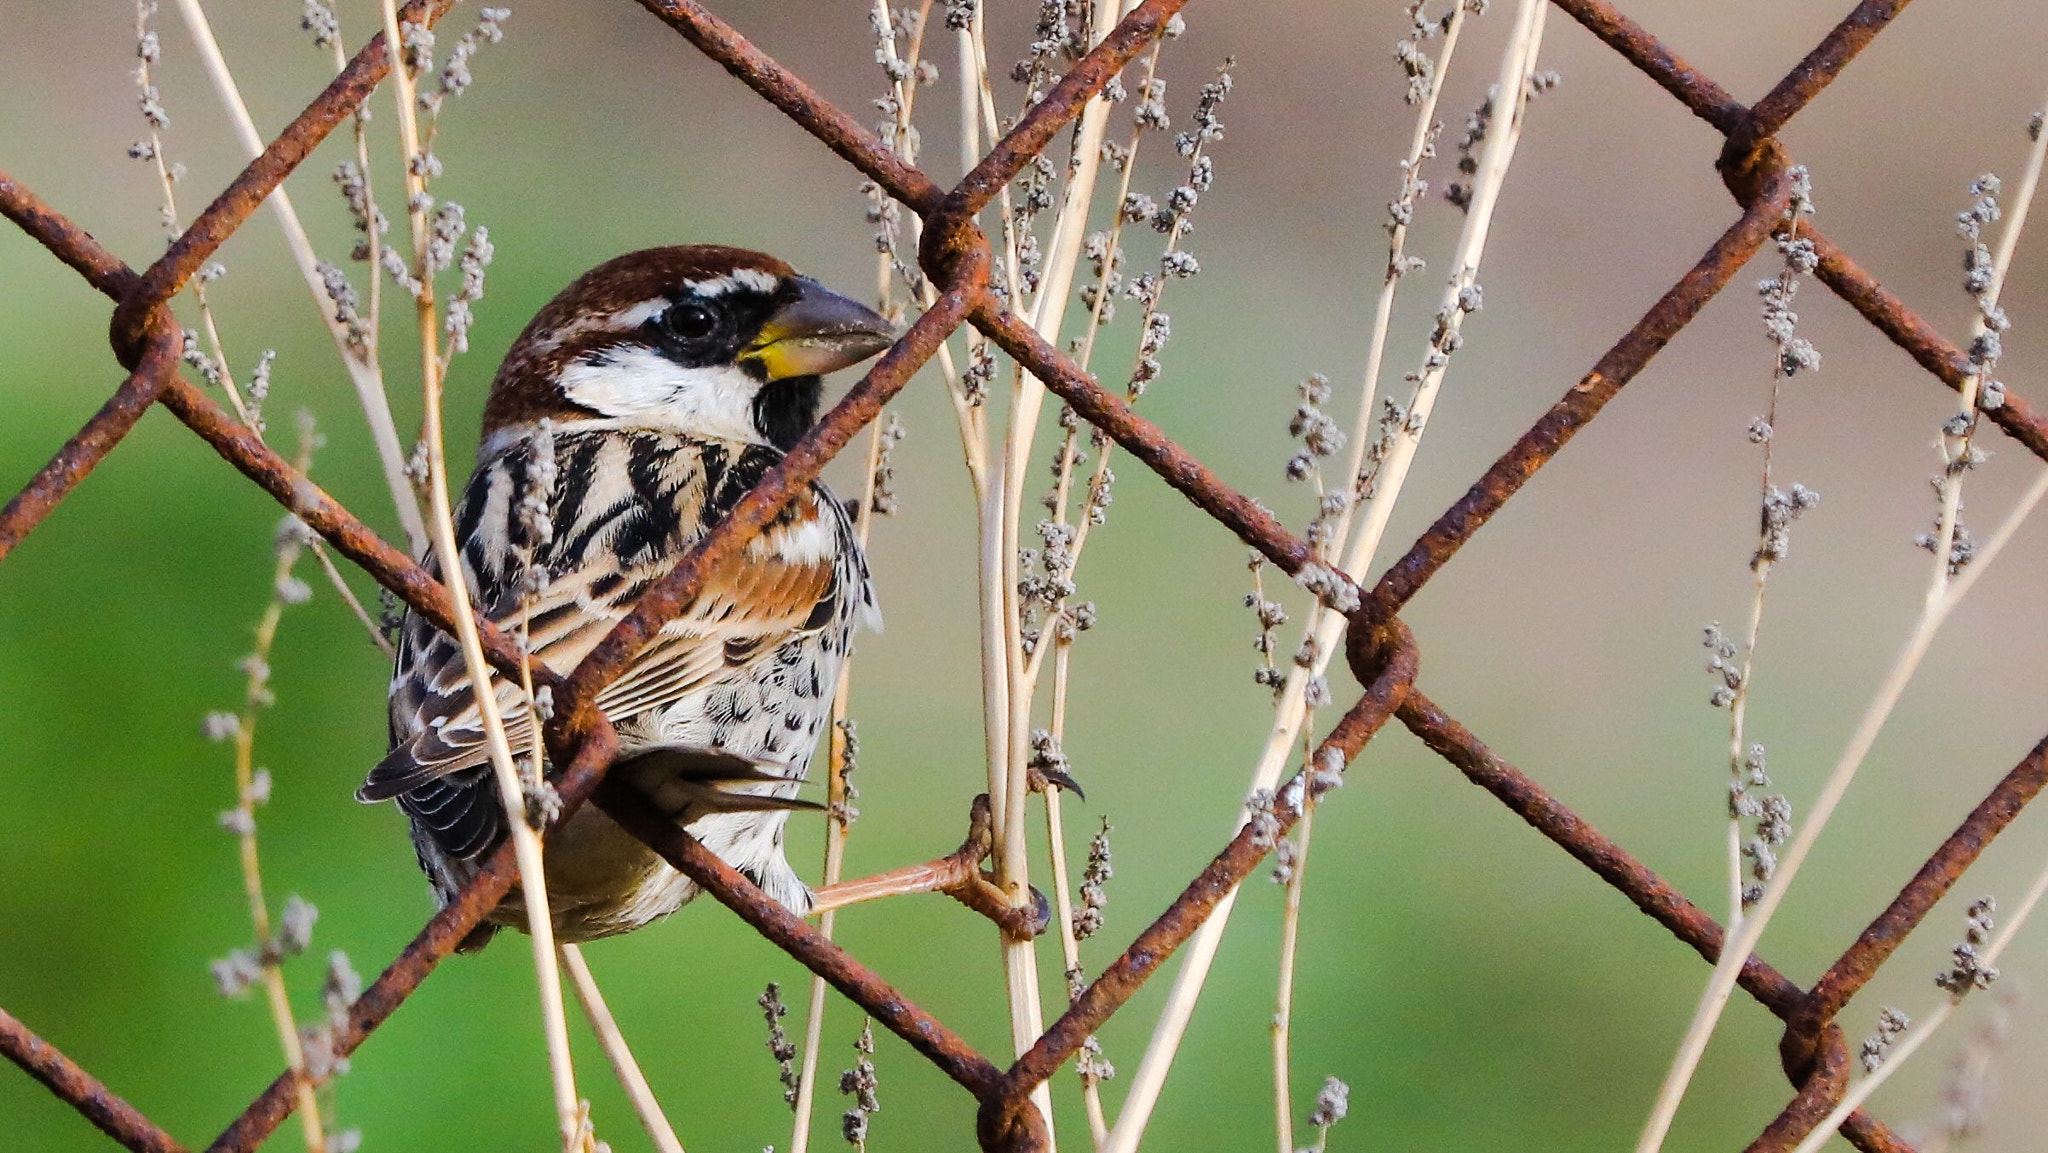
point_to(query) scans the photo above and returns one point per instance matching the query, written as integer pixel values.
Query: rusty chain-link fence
(956, 256)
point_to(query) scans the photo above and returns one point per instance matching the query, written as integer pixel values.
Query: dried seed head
(1891, 1025)
(860, 1083)
(234, 973)
(892, 434)
(1096, 875)
(779, 1045)
(1332, 1103)
(222, 726)
(1968, 971)
(318, 18)
(1259, 816)
(1329, 586)
(295, 926)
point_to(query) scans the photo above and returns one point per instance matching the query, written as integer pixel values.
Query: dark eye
(691, 320)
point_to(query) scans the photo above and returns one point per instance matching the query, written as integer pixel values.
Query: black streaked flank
(577, 454)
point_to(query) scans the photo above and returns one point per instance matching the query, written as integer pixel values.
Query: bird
(627, 419)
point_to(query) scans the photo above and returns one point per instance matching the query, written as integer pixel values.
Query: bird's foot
(959, 875)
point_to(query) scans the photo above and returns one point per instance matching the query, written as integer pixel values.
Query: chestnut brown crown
(705, 340)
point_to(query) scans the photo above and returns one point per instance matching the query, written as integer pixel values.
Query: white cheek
(640, 386)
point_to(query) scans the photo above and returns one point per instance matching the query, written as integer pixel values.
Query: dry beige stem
(274, 992)
(659, 1130)
(366, 375)
(1517, 64)
(1943, 594)
(1925, 1026)
(525, 841)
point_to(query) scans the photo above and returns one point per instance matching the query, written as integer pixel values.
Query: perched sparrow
(628, 419)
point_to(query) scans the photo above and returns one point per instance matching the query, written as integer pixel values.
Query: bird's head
(703, 340)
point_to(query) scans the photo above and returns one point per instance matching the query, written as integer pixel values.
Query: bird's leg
(957, 874)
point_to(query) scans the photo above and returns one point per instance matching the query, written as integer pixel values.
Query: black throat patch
(785, 409)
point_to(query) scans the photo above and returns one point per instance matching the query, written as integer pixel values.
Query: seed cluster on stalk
(780, 1046)
(1891, 1025)
(1094, 879)
(1959, 452)
(1968, 971)
(860, 1083)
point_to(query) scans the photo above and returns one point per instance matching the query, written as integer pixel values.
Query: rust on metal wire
(91, 444)
(1820, 67)
(240, 200)
(1699, 92)
(84, 1092)
(799, 101)
(241, 447)
(1949, 364)
(1672, 312)
(442, 933)
(1606, 859)
(1821, 1086)
(73, 245)
(802, 940)
(1590, 847)
(1107, 993)
(1035, 132)
(957, 255)
(1874, 946)
(1144, 440)
(236, 443)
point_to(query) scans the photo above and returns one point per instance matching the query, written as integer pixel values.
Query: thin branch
(147, 45)
(645, 1107)
(838, 825)
(1925, 1026)
(1283, 999)
(1517, 64)
(348, 597)
(1027, 1019)
(1942, 597)
(248, 795)
(526, 842)
(364, 374)
(1063, 905)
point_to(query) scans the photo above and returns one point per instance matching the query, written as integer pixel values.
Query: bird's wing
(748, 607)
(789, 580)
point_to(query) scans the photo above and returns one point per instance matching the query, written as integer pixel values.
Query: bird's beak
(818, 332)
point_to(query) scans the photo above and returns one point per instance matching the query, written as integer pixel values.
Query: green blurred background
(1476, 988)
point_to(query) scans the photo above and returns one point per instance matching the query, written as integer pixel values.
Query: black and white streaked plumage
(630, 416)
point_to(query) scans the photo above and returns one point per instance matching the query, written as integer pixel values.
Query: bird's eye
(691, 320)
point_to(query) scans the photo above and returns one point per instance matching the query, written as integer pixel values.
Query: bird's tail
(687, 782)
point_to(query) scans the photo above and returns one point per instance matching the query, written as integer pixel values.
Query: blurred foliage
(1474, 986)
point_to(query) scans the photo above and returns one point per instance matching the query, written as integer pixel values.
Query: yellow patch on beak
(818, 332)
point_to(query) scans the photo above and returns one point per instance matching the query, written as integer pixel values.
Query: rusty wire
(956, 256)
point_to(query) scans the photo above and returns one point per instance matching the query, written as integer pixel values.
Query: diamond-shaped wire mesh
(1380, 650)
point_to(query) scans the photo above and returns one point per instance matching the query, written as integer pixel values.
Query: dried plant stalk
(248, 794)
(526, 842)
(1283, 998)
(838, 824)
(364, 372)
(1421, 146)
(645, 1107)
(1926, 1025)
(216, 369)
(1943, 594)
(1063, 905)
(1009, 789)
(1517, 66)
